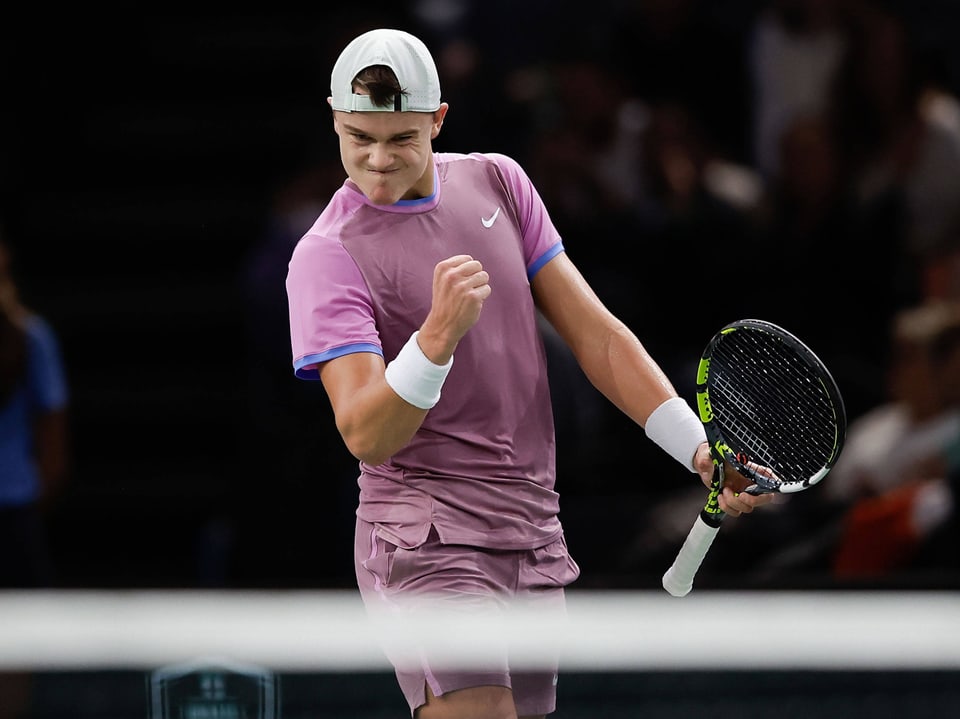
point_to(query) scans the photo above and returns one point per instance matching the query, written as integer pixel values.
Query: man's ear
(438, 116)
(333, 116)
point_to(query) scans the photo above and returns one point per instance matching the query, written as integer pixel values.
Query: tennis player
(414, 300)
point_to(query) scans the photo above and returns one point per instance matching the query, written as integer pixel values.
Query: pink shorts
(471, 581)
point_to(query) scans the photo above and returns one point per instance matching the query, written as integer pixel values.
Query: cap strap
(363, 103)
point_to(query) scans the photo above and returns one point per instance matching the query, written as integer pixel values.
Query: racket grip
(678, 580)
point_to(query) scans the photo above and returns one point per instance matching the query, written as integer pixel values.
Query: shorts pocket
(555, 565)
(393, 558)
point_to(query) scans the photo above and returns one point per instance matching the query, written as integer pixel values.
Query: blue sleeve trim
(544, 259)
(306, 367)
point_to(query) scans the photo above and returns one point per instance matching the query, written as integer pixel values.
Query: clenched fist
(460, 286)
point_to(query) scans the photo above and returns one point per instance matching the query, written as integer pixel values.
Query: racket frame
(678, 579)
(719, 446)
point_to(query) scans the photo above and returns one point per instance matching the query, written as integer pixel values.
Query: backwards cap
(403, 53)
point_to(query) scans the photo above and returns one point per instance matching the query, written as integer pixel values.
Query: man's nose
(380, 157)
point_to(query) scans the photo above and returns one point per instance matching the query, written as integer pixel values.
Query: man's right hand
(460, 287)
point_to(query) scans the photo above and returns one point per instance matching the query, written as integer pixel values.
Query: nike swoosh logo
(493, 218)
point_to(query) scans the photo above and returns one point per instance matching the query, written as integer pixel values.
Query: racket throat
(711, 514)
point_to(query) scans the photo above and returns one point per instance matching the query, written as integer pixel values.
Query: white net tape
(328, 631)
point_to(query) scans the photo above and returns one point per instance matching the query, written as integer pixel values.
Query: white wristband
(677, 430)
(414, 377)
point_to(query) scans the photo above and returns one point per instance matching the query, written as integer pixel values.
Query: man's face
(388, 154)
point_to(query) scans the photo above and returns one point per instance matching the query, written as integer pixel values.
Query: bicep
(568, 302)
(607, 350)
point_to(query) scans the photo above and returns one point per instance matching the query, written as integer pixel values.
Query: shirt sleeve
(331, 312)
(541, 239)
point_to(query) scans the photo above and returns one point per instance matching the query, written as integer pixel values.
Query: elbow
(371, 457)
(365, 447)
(374, 437)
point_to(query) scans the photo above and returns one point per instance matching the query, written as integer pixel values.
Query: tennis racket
(772, 411)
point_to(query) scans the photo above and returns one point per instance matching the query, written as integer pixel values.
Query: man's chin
(381, 196)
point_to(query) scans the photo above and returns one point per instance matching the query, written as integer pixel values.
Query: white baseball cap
(403, 53)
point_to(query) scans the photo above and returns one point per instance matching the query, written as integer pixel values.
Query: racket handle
(678, 580)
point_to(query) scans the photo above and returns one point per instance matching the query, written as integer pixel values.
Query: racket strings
(772, 405)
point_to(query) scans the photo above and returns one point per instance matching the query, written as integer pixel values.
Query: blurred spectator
(34, 457)
(688, 53)
(795, 47)
(574, 157)
(899, 130)
(805, 208)
(893, 474)
(913, 424)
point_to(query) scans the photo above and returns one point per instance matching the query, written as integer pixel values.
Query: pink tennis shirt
(481, 468)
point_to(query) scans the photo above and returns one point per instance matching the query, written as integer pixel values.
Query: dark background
(147, 162)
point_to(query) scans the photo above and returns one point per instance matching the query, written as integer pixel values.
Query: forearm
(618, 365)
(609, 353)
(379, 408)
(616, 362)
(378, 423)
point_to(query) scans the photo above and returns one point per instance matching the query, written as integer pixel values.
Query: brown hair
(381, 83)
